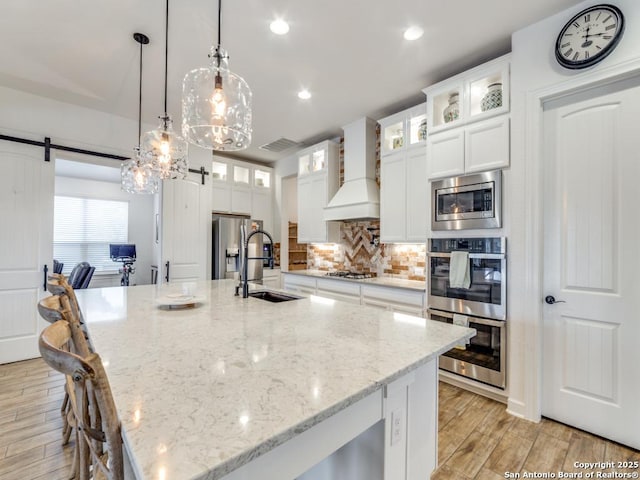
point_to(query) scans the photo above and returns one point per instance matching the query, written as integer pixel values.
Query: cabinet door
(241, 200)
(417, 195)
(487, 145)
(261, 208)
(445, 153)
(304, 210)
(318, 200)
(221, 197)
(393, 207)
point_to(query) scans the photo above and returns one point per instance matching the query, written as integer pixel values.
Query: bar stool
(99, 453)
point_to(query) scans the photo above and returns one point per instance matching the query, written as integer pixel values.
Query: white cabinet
(468, 118)
(403, 179)
(337, 290)
(242, 188)
(403, 130)
(395, 299)
(271, 277)
(299, 284)
(317, 183)
(393, 202)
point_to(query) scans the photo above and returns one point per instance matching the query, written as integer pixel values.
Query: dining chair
(57, 266)
(99, 451)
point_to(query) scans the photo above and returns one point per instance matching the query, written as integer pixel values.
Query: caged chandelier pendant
(163, 148)
(137, 174)
(216, 103)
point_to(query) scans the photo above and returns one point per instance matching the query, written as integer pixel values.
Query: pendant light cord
(140, 100)
(219, 21)
(166, 56)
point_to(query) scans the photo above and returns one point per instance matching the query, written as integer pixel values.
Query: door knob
(550, 299)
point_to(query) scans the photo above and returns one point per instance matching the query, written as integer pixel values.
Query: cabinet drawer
(392, 296)
(339, 296)
(339, 286)
(299, 280)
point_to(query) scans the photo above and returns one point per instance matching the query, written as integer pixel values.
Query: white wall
(141, 221)
(29, 116)
(534, 74)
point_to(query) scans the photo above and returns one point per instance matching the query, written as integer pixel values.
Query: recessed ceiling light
(413, 33)
(304, 94)
(279, 27)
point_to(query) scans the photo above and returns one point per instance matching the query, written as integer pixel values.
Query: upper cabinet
(242, 188)
(468, 118)
(403, 176)
(317, 184)
(403, 130)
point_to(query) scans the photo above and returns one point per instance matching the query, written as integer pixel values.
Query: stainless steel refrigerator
(228, 250)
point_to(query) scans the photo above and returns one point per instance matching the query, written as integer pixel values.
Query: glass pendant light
(166, 150)
(137, 174)
(216, 104)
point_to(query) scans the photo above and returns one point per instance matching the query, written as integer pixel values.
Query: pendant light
(137, 174)
(166, 150)
(216, 103)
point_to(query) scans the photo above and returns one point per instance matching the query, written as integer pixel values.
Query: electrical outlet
(397, 417)
(418, 270)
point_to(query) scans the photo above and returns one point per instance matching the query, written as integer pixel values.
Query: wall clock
(589, 36)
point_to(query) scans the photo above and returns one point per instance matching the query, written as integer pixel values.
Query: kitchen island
(239, 388)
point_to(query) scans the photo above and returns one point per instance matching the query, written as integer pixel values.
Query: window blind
(83, 228)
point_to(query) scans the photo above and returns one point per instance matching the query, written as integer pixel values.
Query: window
(83, 228)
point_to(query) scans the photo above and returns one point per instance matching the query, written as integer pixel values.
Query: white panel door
(305, 221)
(26, 246)
(186, 224)
(591, 355)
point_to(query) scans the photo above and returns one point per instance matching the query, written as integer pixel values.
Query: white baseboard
(516, 408)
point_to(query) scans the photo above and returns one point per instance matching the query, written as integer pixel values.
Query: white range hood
(359, 197)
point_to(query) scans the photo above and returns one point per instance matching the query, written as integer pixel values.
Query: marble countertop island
(203, 391)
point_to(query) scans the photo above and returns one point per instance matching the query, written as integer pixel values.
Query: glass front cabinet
(403, 130)
(469, 122)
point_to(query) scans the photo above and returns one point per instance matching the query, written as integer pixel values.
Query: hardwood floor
(30, 423)
(478, 439)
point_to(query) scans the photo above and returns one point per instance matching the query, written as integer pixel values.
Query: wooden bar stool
(99, 453)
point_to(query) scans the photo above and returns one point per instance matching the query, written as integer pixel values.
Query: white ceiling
(349, 53)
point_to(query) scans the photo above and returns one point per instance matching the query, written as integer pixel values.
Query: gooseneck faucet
(244, 281)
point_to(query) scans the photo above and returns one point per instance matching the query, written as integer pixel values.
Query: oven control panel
(471, 245)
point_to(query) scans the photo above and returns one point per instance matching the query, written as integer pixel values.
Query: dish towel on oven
(459, 276)
(463, 321)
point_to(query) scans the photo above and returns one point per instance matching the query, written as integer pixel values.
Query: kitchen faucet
(244, 281)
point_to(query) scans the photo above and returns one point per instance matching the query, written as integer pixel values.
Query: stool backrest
(97, 419)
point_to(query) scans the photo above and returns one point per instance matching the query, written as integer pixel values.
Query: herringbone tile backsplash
(359, 251)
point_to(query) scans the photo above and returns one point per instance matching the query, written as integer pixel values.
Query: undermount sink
(274, 297)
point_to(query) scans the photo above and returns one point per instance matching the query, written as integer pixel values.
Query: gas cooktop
(346, 274)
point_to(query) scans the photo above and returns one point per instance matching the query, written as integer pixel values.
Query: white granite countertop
(382, 281)
(201, 391)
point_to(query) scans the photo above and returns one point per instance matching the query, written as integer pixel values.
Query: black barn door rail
(47, 145)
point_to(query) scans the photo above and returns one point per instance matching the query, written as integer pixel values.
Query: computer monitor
(122, 251)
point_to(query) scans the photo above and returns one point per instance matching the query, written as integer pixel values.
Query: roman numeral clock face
(589, 36)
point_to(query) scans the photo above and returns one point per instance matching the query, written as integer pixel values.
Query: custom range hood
(359, 197)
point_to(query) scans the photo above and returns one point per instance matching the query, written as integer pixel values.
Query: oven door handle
(487, 256)
(472, 319)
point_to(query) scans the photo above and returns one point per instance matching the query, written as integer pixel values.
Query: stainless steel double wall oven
(483, 303)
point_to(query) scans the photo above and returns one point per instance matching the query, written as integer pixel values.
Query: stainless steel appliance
(349, 274)
(470, 201)
(484, 358)
(487, 293)
(227, 248)
(484, 304)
